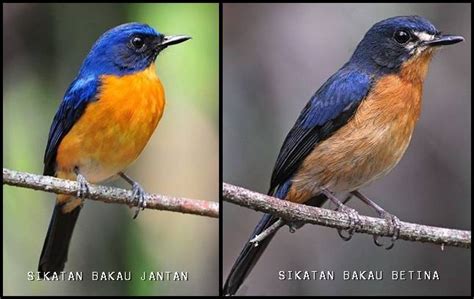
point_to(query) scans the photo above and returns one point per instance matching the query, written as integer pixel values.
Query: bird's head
(392, 42)
(126, 49)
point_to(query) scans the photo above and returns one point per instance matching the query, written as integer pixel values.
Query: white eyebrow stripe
(423, 36)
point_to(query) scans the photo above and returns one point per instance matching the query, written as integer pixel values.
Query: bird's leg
(351, 213)
(393, 221)
(345, 201)
(267, 232)
(83, 184)
(138, 193)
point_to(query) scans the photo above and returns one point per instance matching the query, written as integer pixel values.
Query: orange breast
(113, 130)
(371, 143)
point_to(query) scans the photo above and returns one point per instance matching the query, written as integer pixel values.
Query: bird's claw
(354, 222)
(83, 190)
(393, 230)
(138, 195)
(345, 238)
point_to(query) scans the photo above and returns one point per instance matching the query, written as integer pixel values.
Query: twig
(270, 230)
(368, 225)
(110, 194)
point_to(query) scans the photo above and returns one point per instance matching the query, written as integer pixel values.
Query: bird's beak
(444, 40)
(173, 40)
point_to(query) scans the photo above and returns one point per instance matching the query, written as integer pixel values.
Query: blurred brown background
(43, 48)
(275, 57)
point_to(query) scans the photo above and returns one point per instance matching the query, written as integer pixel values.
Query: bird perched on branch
(104, 121)
(354, 129)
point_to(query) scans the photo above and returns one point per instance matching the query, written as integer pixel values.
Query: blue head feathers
(126, 49)
(391, 42)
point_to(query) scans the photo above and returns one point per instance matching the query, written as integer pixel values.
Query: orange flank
(114, 129)
(372, 142)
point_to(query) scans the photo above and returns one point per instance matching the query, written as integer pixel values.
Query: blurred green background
(272, 64)
(43, 47)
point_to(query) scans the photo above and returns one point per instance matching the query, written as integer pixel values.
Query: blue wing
(79, 94)
(330, 108)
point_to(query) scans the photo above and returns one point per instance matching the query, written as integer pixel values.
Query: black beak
(444, 40)
(173, 40)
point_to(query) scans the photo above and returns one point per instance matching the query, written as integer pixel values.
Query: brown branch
(368, 225)
(110, 194)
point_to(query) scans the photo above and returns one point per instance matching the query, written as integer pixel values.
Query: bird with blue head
(392, 42)
(354, 129)
(126, 49)
(106, 117)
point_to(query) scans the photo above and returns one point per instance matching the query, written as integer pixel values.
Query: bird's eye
(402, 36)
(137, 42)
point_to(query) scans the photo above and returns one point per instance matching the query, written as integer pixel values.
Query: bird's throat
(415, 69)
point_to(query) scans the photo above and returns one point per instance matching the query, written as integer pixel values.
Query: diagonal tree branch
(368, 225)
(110, 194)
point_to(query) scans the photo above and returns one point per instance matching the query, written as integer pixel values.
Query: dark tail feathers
(248, 256)
(55, 248)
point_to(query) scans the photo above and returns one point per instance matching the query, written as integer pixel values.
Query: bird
(105, 119)
(354, 129)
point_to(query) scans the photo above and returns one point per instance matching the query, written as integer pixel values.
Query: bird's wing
(329, 109)
(79, 94)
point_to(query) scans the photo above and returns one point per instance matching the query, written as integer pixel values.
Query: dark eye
(402, 36)
(137, 42)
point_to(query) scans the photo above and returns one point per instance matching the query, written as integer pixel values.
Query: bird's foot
(393, 229)
(138, 196)
(393, 221)
(351, 213)
(353, 224)
(83, 190)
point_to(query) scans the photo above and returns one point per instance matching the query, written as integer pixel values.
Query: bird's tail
(250, 254)
(55, 248)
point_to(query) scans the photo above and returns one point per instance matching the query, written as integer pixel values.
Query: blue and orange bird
(104, 121)
(353, 130)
